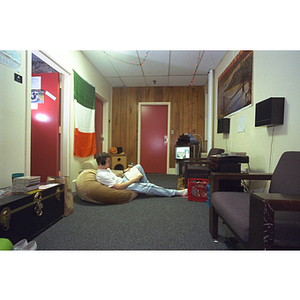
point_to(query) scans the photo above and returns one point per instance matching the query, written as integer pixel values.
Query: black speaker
(120, 150)
(269, 112)
(223, 125)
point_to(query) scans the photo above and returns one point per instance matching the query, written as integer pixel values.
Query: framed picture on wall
(37, 96)
(235, 85)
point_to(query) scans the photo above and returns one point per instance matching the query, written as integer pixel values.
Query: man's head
(102, 158)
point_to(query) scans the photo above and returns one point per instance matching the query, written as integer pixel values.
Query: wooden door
(153, 138)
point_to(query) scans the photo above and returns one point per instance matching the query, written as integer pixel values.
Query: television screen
(182, 152)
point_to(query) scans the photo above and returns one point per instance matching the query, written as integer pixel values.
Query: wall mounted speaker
(269, 112)
(119, 162)
(223, 125)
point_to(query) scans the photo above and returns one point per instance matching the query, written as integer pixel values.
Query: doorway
(45, 137)
(99, 123)
(153, 145)
(42, 63)
(45, 120)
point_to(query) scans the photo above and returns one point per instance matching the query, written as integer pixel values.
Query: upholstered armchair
(198, 167)
(261, 220)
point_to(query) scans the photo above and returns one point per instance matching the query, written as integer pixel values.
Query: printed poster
(11, 58)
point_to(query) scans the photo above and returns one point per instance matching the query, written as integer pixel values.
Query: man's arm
(119, 174)
(124, 185)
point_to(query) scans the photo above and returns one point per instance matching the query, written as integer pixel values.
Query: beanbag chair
(89, 189)
(90, 164)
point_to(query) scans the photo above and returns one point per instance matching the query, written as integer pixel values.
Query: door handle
(165, 139)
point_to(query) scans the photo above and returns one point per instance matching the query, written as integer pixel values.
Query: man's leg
(151, 189)
(144, 179)
(145, 187)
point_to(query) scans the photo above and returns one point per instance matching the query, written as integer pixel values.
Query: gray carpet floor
(146, 223)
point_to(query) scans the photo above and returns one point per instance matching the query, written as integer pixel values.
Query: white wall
(13, 112)
(275, 74)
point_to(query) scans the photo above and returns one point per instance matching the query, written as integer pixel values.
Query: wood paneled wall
(187, 115)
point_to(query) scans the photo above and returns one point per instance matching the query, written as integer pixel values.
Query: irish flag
(84, 96)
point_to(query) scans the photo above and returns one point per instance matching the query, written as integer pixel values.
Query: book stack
(25, 184)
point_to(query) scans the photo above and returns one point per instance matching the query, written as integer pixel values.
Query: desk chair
(261, 220)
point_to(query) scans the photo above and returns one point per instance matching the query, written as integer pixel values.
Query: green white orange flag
(84, 96)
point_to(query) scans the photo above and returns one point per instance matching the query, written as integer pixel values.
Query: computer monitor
(182, 152)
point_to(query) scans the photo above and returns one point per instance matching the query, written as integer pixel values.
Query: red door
(98, 124)
(154, 129)
(45, 128)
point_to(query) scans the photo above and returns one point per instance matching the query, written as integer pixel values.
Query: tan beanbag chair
(90, 164)
(89, 189)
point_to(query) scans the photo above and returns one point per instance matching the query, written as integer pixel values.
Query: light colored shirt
(107, 177)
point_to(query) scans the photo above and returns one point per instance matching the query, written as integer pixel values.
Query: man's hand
(124, 185)
(135, 179)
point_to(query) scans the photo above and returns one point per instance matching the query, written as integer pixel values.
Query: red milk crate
(197, 189)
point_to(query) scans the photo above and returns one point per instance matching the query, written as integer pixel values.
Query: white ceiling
(138, 68)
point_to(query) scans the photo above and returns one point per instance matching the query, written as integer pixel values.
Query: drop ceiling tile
(210, 60)
(127, 56)
(180, 80)
(159, 81)
(183, 62)
(134, 81)
(127, 70)
(156, 63)
(115, 81)
(200, 80)
(101, 62)
(126, 63)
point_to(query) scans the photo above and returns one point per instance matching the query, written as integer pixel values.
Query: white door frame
(139, 130)
(105, 122)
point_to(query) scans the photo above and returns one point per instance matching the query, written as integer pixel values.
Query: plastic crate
(197, 189)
